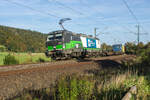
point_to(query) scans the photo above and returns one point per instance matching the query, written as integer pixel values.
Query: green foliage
(105, 84)
(41, 60)
(9, 60)
(112, 93)
(131, 48)
(106, 47)
(25, 58)
(140, 67)
(142, 83)
(20, 40)
(2, 48)
(63, 90)
(74, 88)
(145, 56)
(83, 88)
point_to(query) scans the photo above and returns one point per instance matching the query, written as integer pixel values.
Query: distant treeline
(21, 40)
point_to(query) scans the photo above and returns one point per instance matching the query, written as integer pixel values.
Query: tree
(130, 48)
(20, 40)
(140, 45)
(106, 47)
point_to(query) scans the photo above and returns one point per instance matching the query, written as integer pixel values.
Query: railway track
(16, 78)
(54, 63)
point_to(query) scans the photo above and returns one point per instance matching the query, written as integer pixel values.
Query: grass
(10, 60)
(108, 84)
(74, 88)
(77, 87)
(2, 56)
(100, 84)
(87, 87)
(24, 58)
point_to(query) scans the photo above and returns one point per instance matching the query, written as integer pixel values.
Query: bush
(41, 60)
(2, 48)
(74, 88)
(10, 60)
(146, 56)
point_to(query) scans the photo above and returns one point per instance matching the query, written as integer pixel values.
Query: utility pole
(138, 34)
(95, 29)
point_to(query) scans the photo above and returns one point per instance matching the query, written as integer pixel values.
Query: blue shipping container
(117, 47)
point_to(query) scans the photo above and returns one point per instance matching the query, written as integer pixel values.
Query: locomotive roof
(79, 34)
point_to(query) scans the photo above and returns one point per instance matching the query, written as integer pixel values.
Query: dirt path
(14, 79)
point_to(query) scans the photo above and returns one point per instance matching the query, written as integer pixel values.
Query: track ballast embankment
(15, 79)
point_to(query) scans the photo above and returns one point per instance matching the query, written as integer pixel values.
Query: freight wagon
(118, 49)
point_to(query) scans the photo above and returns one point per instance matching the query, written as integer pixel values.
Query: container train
(66, 44)
(63, 44)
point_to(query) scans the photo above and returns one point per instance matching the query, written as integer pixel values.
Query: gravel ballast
(14, 81)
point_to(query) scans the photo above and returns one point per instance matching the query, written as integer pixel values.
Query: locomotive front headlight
(63, 45)
(77, 46)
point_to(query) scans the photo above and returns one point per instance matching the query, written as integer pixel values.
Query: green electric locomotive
(64, 44)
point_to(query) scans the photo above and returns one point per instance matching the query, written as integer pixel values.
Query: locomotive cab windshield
(53, 36)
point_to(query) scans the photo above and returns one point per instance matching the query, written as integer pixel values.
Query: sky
(114, 23)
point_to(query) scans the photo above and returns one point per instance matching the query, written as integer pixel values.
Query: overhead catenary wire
(131, 12)
(85, 4)
(33, 9)
(138, 23)
(103, 17)
(46, 13)
(61, 4)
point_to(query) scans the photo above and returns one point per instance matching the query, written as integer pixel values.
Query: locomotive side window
(76, 38)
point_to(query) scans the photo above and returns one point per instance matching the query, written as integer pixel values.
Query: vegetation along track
(14, 79)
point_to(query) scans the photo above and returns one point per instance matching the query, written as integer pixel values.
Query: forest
(21, 40)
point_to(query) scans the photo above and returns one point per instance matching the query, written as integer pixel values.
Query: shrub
(10, 60)
(41, 60)
(2, 48)
(146, 56)
(74, 88)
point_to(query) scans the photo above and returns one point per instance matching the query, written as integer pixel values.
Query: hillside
(21, 40)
